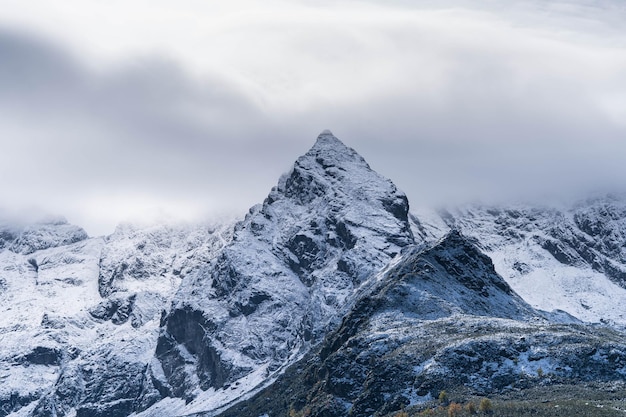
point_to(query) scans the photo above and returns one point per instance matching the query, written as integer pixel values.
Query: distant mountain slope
(571, 258)
(439, 319)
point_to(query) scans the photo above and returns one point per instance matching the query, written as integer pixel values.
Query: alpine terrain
(328, 299)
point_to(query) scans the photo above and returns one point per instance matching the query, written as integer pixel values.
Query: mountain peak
(328, 147)
(337, 175)
(326, 138)
(291, 271)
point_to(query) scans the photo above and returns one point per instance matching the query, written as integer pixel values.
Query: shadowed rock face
(186, 329)
(43, 355)
(439, 319)
(289, 274)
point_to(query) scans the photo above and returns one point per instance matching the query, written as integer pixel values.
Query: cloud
(452, 100)
(144, 133)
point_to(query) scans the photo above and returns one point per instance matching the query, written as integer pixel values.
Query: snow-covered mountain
(331, 280)
(81, 315)
(568, 257)
(291, 271)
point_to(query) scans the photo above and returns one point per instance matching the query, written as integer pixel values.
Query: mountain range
(331, 298)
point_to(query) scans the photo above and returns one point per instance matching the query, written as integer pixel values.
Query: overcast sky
(131, 109)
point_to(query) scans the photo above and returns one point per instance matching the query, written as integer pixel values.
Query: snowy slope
(571, 257)
(44, 320)
(76, 328)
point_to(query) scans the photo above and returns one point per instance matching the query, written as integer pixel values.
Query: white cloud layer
(111, 109)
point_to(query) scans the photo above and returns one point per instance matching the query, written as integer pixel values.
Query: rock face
(8, 234)
(591, 233)
(288, 276)
(439, 319)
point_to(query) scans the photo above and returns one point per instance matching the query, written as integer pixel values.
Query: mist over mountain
(116, 111)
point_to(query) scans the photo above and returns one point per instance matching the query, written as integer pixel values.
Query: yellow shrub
(485, 406)
(454, 410)
(443, 397)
